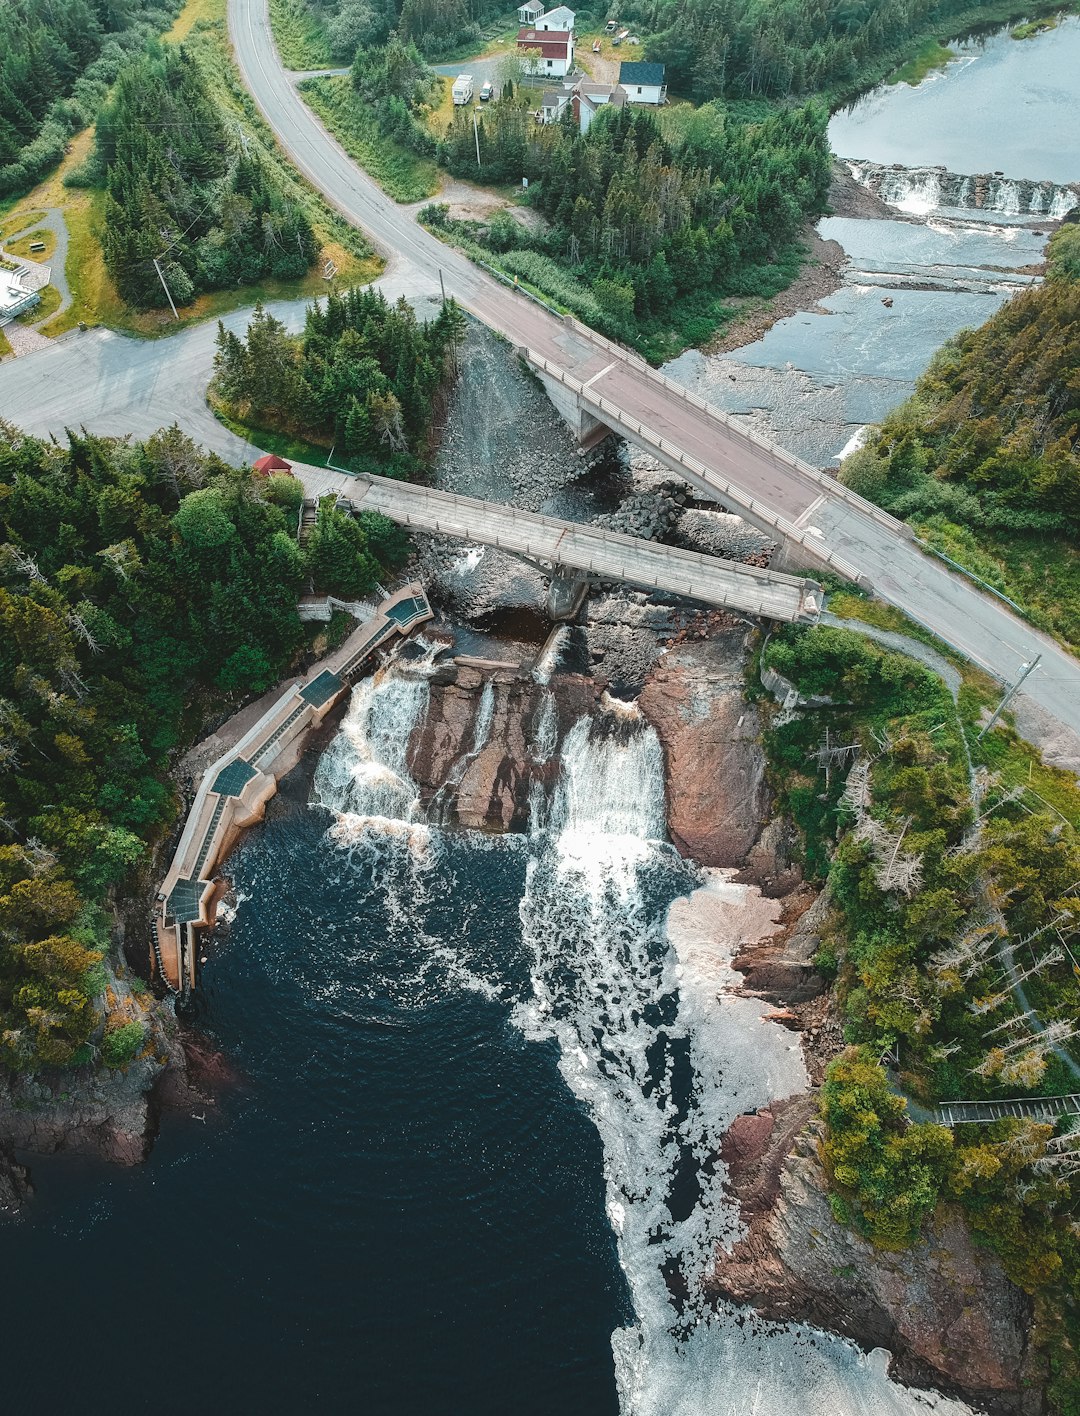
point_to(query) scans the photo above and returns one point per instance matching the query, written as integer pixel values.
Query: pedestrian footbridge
(588, 552)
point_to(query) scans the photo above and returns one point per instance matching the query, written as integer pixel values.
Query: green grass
(19, 222)
(5, 347)
(21, 247)
(48, 305)
(932, 55)
(299, 35)
(402, 174)
(853, 605)
(1034, 27)
(293, 449)
(1040, 571)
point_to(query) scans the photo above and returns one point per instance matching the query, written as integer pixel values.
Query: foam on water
(653, 1040)
(664, 1056)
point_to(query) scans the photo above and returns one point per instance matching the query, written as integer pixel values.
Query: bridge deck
(606, 555)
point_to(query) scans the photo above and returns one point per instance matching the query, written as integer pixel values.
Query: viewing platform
(233, 791)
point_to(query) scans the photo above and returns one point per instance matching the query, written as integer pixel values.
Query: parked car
(487, 90)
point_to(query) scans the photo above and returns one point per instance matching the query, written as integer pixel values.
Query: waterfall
(549, 655)
(484, 713)
(1004, 196)
(363, 776)
(921, 190)
(663, 1061)
(916, 192)
(545, 730)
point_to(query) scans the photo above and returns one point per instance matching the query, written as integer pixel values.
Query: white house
(644, 83)
(560, 18)
(20, 282)
(553, 51)
(530, 12)
(588, 98)
(552, 105)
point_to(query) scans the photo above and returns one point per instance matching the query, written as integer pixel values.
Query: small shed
(643, 82)
(561, 18)
(269, 464)
(529, 13)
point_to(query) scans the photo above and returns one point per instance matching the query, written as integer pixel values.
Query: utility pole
(476, 135)
(442, 286)
(161, 277)
(1010, 692)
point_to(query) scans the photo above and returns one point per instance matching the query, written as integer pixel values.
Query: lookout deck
(233, 791)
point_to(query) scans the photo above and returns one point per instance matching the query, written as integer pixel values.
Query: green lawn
(402, 174)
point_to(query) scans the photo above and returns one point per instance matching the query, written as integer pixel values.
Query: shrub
(121, 1044)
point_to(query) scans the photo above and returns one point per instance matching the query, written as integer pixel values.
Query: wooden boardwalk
(233, 791)
(1040, 1108)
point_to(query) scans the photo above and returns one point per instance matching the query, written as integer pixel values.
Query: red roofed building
(269, 464)
(554, 51)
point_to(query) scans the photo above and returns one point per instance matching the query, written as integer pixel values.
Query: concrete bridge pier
(587, 429)
(566, 594)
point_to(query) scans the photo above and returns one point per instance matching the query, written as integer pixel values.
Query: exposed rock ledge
(944, 1309)
(490, 790)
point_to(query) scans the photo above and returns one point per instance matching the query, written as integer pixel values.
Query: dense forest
(336, 28)
(182, 190)
(56, 62)
(646, 230)
(743, 49)
(940, 902)
(134, 580)
(985, 458)
(364, 376)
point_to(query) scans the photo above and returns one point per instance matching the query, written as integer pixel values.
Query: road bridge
(588, 550)
(819, 523)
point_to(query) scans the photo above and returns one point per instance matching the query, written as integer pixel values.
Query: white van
(462, 89)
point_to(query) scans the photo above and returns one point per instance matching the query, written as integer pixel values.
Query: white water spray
(664, 1060)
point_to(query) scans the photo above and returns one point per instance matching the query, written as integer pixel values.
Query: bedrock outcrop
(487, 784)
(718, 800)
(944, 1308)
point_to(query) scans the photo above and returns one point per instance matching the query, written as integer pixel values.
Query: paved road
(604, 554)
(977, 625)
(116, 385)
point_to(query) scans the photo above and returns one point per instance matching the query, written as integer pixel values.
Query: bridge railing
(832, 485)
(784, 529)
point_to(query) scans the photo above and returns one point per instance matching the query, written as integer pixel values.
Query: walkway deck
(233, 791)
(1040, 1108)
(605, 555)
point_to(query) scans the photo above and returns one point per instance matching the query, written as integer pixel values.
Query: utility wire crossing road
(740, 470)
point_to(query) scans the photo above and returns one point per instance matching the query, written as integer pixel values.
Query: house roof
(638, 72)
(553, 44)
(562, 14)
(553, 98)
(270, 463)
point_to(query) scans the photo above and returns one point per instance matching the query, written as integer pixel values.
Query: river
(816, 379)
(479, 1082)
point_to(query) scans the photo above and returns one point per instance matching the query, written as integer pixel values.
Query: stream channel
(480, 1082)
